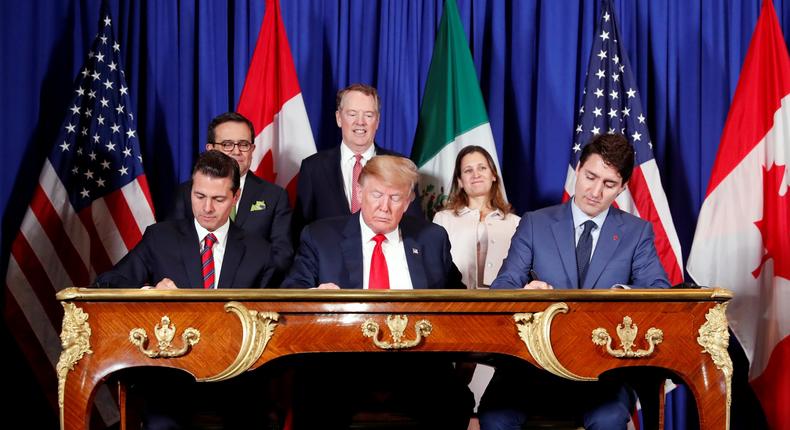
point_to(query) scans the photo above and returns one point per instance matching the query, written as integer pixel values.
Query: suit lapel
(351, 248)
(334, 177)
(414, 253)
(234, 251)
(190, 253)
(607, 243)
(247, 194)
(563, 236)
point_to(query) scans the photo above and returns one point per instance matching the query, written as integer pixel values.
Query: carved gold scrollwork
(627, 333)
(397, 325)
(714, 339)
(535, 330)
(257, 328)
(165, 331)
(75, 339)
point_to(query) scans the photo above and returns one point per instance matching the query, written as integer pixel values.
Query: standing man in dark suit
(327, 178)
(263, 207)
(378, 248)
(582, 244)
(204, 251)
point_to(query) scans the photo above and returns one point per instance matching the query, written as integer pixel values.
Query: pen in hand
(533, 276)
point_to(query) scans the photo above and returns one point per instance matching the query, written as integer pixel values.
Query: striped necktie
(207, 260)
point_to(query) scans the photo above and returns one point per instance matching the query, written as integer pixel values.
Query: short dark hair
(361, 88)
(615, 150)
(228, 117)
(458, 199)
(216, 164)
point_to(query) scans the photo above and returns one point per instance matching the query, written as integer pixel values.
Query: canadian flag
(272, 100)
(742, 241)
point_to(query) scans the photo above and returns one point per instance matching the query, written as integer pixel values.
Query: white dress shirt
(347, 160)
(394, 253)
(219, 248)
(579, 218)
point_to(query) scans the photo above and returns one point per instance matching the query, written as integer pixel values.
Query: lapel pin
(415, 251)
(615, 237)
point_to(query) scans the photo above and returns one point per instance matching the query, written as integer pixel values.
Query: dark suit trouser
(519, 390)
(332, 388)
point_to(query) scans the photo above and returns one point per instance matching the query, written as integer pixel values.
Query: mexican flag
(453, 113)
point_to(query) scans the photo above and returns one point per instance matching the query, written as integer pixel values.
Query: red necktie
(355, 202)
(379, 275)
(207, 258)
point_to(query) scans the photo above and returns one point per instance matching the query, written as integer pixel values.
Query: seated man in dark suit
(328, 178)
(584, 243)
(378, 248)
(262, 208)
(204, 251)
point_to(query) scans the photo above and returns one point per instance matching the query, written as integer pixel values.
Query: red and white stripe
(644, 197)
(57, 248)
(272, 100)
(729, 248)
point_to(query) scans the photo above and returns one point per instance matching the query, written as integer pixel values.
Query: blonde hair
(393, 170)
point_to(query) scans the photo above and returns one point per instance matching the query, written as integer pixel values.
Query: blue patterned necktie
(584, 250)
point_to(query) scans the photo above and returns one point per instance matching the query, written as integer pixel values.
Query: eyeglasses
(227, 145)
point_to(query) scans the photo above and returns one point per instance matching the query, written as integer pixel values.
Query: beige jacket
(462, 230)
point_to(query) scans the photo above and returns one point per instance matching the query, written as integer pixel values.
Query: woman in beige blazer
(477, 218)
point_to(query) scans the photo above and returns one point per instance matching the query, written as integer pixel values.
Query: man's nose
(208, 206)
(597, 189)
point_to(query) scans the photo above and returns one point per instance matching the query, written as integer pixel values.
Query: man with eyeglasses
(328, 180)
(263, 207)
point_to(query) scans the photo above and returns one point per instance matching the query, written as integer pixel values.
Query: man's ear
(337, 117)
(208, 147)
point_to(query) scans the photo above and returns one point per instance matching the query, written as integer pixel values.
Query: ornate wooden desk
(220, 334)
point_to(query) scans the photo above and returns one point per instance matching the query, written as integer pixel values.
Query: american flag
(89, 208)
(612, 105)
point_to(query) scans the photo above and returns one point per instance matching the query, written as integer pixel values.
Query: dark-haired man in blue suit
(585, 243)
(379, 248)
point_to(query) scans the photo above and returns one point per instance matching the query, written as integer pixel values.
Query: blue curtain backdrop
(186, 61)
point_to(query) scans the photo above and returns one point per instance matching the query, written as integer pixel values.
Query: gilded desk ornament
(535, 330)
(257, 329)
(714, 339)
(75, 339)
(397, 325)
(164, 331)
(627, 332)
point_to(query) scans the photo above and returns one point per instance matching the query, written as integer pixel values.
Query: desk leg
(122, 404)
(650, 389)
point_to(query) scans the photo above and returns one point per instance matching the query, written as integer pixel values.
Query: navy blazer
(271, 218)
(318, 261)
(320, 192)
(545, 242)
(171, 249)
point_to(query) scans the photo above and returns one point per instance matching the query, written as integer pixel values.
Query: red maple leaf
(775, 225)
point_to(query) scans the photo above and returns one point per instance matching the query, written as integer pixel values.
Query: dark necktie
(584, 250)
(379, 275)
(355, 201)
(207, 259)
